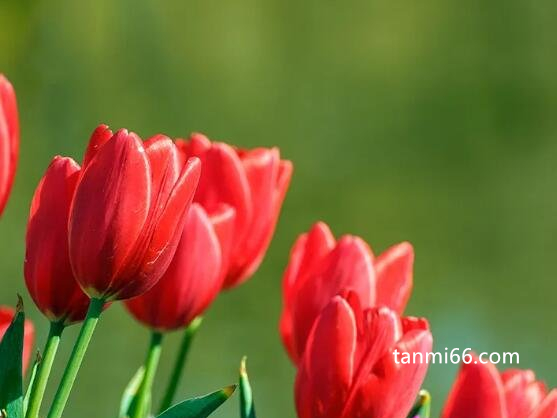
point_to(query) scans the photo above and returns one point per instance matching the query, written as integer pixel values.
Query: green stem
(49, 353)
(187, 339)
(79, 349)
(151, 364)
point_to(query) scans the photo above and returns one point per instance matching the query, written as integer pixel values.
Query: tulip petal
(394, 269)
(9, 139)
(286, 168)
(283, 182)
(99, 137)
(224, 181)
(384, 387)
(409, 377)
(48, 272)
(348, 267)
(261, 168)
(327, 368)
(196, 145)
(548, 408)
(108, 213)
(316, 243)
(5, 162)
(410, 323)
(223, 222)
(165, 168)
(163, 233)
(476, 393)
(268, 178)
(188, 286)
(8, 103)
(307, 254)
(172, 217)
(522, 392)
(377, 334)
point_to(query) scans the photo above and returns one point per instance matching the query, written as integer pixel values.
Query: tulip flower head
(48, 272)
(348, 369)
(254, 183)
(9, 139)
(195, 275)
(6, 317)
(480, 391)
(128, 212)
(320, 267)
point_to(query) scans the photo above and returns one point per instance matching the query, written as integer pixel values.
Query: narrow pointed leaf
(11, 379)
(247, 406)
(422, 407)
(31, 382)
(200, 407)
(128, 402)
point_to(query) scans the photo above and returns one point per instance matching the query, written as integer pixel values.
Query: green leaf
(200, 407)
(31, 381)
(129, 397)
(422, 407)
(247, 406)
(11, 379)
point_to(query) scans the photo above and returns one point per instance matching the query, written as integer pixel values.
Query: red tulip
(47, 268)
(128, 212)
(321, 267)
(6, 317)
(348, 369)
(9, 139)
(254, 183)
(480, 391)
(194, 277)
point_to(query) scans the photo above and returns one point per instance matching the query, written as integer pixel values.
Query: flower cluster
(165, 225)
(342, 321)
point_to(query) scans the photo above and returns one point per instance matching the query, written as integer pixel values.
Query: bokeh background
(431, 121)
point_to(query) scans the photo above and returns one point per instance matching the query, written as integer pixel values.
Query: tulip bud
(6, 317)
(128, 213)
(481, 391)
(48, 273)
(252, 182)
(9, 139)
(348, 368)
(320, 268)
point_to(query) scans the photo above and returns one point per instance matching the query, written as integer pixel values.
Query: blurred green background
(431, 121)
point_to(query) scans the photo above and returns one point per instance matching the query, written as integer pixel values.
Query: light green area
(429, 121)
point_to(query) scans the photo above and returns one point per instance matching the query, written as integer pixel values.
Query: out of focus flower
(6, 317)
(128, 212)
(195, 275)
(348, 369)
(480, 391)
(48, 273)
(9, 139)
(320, 267)
(254, 183)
